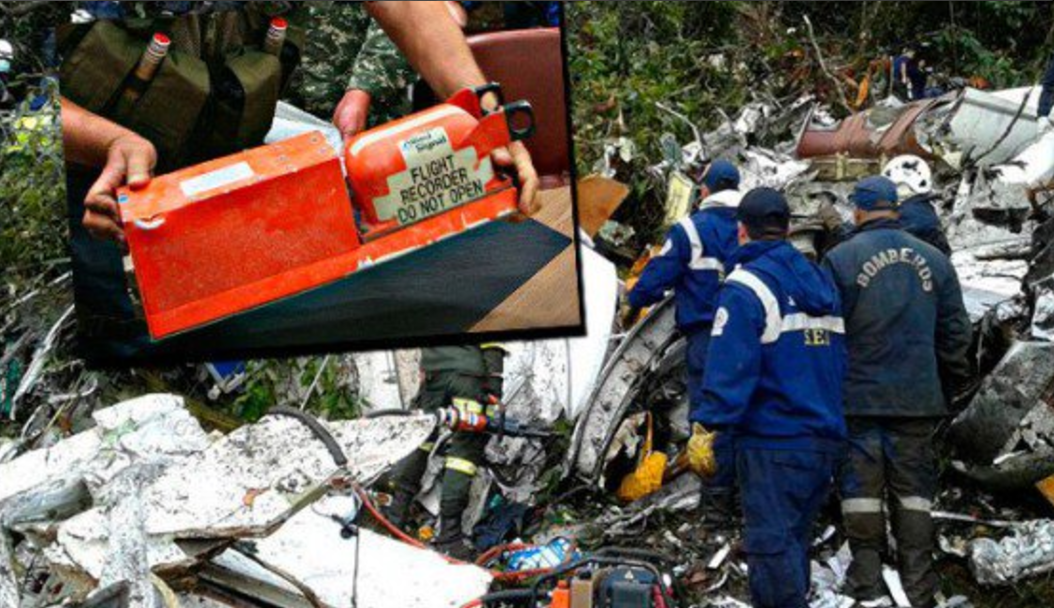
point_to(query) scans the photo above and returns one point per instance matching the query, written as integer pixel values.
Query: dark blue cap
(764, 211)
(874, 194)
(721, 175)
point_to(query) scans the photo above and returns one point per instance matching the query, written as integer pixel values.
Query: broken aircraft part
(244, 484)
(990, 425)
(310, 548)
(616, 390)
(1028, 551)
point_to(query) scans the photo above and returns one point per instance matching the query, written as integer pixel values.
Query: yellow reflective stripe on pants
(461, 465)
(427, 446)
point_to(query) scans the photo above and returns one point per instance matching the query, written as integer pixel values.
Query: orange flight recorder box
(236, 233)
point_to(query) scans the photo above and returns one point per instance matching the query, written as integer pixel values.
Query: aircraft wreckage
(145, 508)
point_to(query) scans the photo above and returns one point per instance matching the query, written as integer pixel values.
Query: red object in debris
(430, 162)
(857, 137)
(235, 233)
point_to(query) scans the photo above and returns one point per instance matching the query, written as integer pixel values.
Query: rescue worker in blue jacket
(907, 328)
(773, 380)
(692, 264)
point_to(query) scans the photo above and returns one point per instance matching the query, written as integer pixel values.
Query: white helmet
(911, 174)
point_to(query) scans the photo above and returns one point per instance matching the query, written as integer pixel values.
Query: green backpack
(195, 108)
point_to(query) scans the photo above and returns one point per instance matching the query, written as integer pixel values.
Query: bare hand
(130, 160)
(457, 13)
(351, 113)
(516, 156)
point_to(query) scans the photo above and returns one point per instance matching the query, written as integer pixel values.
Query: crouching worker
(450, 375)
(692, 264)
(774, 382)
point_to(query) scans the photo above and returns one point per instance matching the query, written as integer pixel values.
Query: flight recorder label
(437, 178)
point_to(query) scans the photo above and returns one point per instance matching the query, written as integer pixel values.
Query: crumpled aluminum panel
(1027, 552)
(618, 386)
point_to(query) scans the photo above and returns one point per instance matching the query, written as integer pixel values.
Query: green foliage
(32, 193)
(287, 382)
(625, 57)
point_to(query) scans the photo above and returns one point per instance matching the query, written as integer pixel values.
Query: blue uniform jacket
(919, 218)
(692, 263)
(905, 320)
(777, 353)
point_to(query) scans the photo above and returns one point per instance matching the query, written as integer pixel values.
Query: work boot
(403, 484)
(451, 541)
(915, 535)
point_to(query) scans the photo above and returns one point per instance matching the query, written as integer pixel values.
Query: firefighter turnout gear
(469, 379)
(891, 463)
(906, 321)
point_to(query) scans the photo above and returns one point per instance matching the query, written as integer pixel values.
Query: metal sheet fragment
(1028, 551)
(310, 548)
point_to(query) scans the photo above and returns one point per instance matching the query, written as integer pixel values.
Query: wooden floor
(550, 298)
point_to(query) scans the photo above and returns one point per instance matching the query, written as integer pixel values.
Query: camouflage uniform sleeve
(380, 67)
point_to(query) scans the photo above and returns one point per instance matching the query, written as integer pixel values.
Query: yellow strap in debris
(427, 446)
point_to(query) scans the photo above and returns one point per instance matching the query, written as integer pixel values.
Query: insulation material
(309, 547)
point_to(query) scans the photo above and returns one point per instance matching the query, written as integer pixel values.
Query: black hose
(392, 412)
(320, 432)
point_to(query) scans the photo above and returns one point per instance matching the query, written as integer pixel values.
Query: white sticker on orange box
(436, 178)
(216, 179)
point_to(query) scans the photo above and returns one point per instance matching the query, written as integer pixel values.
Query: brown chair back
(529, 65)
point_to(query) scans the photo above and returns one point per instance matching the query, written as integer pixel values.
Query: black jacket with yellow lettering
(906, 325)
